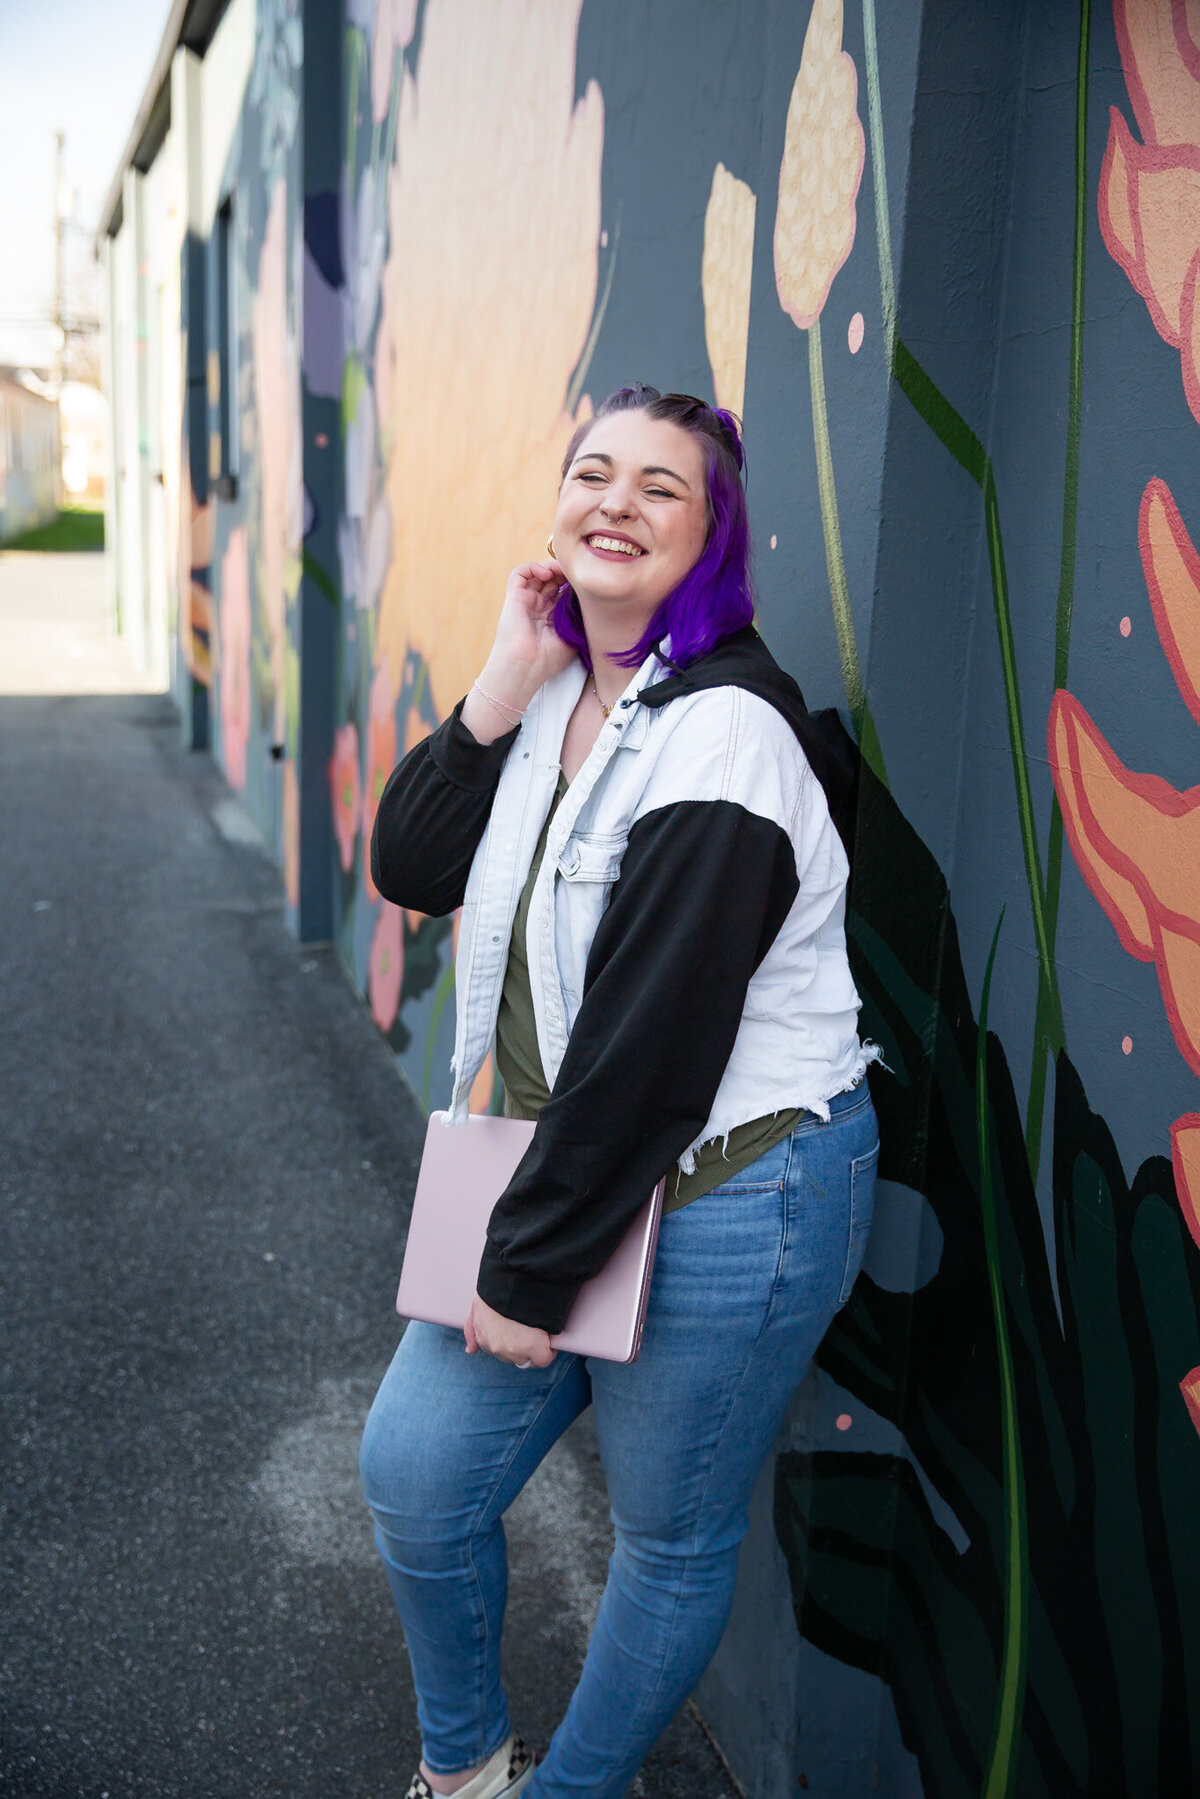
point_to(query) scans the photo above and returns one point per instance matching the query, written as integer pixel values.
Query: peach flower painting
(823, 155)
(1149, 199)
(477, 350)
(234, 659)
(725, 282)
(815, 222)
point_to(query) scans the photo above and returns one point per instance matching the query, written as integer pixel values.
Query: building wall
(29, 482)
(928, 1600)
(945, 261)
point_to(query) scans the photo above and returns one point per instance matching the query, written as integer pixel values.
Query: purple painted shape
(324, 350)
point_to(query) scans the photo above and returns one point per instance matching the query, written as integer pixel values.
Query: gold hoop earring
(550, 545)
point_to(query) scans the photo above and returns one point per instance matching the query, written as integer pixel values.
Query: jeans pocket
(862, 1210)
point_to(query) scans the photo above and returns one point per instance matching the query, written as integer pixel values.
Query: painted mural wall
(945, 260)
(239, 524)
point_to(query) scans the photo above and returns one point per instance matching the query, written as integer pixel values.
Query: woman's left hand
(504, 1338)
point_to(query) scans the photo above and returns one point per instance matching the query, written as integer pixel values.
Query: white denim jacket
(685, 937)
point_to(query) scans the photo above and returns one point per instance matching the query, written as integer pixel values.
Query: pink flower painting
(345, 788)
(385, 975)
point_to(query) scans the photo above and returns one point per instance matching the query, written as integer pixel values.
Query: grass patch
(75, 528)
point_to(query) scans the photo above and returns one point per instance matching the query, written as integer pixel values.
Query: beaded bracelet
(500, 705)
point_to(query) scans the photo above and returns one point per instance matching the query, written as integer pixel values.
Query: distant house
(29, 472)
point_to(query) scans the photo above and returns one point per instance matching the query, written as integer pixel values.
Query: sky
(80, 67)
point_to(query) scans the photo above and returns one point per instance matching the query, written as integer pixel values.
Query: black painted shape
(1111, 1460)
(322, 235)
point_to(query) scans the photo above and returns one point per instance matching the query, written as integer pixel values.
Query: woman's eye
(660, 493)
(591, 474)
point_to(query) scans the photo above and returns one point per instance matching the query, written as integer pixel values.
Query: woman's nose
(616, 503)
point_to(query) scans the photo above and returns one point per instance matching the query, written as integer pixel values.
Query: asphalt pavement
(206, 1155)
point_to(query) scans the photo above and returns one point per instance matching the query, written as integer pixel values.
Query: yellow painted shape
(822, 166)
(725, 277)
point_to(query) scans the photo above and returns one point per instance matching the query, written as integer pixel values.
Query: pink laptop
(464, 1170)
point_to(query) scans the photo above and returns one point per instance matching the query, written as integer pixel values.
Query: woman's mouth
(601, 543)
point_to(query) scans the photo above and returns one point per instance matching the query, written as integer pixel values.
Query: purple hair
(715, 597)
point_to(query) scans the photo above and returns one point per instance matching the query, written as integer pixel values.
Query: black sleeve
(432, 814)
(703, 890)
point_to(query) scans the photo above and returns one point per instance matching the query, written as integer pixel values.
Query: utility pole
(60, 228)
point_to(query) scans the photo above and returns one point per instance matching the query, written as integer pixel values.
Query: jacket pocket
(862, 1210)
(592, 856)
(588, 864)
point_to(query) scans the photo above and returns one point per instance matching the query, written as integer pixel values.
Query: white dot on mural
(604, 240)
(1127, 1046)
(1126, 626)
(844, 1421)
(854, 336)
(774, 540)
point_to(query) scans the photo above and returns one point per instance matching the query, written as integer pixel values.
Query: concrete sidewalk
(205, 1155)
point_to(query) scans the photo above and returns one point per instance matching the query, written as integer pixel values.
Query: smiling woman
(652, 892)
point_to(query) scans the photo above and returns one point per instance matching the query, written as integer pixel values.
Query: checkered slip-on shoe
(509, 1771)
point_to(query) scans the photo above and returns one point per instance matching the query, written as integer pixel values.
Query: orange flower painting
(1149, 201)
(1135, 837)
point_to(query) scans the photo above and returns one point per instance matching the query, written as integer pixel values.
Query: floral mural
(1135, 837)
(1041, 1378)
(995, 1522)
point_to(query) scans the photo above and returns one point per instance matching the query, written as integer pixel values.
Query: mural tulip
(815, 219)
(1149, 200)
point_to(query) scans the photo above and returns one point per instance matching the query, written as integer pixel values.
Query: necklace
(605, 709)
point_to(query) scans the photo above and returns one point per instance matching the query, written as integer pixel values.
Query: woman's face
(632, 513)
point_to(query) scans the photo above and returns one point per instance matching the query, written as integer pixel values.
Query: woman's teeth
(615, 543)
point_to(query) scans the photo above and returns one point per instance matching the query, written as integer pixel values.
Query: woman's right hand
(527, 651)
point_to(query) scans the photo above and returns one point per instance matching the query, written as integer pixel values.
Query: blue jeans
(746, 1282)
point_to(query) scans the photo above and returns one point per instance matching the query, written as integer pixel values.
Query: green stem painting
(957, 436)
(835, 563)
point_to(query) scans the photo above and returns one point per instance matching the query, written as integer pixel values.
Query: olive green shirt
(519, 1062)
